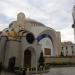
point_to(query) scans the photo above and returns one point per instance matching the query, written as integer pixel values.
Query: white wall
(69, 50)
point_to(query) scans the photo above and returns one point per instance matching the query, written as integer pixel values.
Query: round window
(30, 38)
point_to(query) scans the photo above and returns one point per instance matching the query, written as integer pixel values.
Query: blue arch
(43, 36)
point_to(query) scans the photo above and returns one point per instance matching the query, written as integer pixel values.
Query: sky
(56, 14)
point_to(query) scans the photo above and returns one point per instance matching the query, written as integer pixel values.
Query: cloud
(67, 34)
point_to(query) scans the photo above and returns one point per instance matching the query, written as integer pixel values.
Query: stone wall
(60, 60)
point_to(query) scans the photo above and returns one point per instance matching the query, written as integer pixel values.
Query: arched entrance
(27, 58)
(46, 42)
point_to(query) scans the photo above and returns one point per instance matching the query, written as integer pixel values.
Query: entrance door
(27, 58)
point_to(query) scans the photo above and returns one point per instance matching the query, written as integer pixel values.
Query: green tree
(41, 59)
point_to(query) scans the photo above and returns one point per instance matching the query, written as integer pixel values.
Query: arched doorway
(27, 58)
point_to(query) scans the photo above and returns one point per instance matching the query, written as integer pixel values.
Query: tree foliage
(41, 59)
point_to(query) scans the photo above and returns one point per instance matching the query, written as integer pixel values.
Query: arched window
(66, 51)
(11, 63)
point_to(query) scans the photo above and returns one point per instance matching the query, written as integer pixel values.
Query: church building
(25, 39)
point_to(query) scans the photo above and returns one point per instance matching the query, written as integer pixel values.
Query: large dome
(28, 20)
(27, 24)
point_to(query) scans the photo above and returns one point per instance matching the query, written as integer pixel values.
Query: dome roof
(28, 20)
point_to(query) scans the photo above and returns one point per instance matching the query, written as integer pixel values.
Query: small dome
(21, 16)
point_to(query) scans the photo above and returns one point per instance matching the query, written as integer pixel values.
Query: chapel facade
(24, 40)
